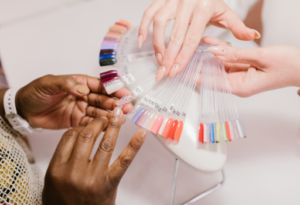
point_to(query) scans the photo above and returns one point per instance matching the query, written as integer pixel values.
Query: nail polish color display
(109, 46)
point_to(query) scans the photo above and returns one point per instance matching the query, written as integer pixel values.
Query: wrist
(18, 103)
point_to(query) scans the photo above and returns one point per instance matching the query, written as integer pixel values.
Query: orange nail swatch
(125, 23)
(178, 131)
(167, 128)
(155, 128)
(173, 129)
(121, 29)
(228, 131)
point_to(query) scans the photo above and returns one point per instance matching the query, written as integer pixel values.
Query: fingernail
(125, 100)
(70, 128)
(142, 134)
(257, 34)
(117, 112)
(82, 89)
(219, 51)
(160, 73)
(158, 58)
(174, 71)
(140, 41)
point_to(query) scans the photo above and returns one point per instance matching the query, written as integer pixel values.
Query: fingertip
(142, 134)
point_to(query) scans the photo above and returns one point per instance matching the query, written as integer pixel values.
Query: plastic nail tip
(162, 127)
(109, 43)
(239, 129)
(108, 51)
(205, 133)
(173, 130)
(152, 122)
(228, 131)
(120, 24)
(108, 74)
(138, 114)
(167, 128)
(212, 133)
(125, 23)
(231, 131)
(218, 133)
(148, 120)
(113, 35)
(243, 128)
(114, 86)
(106, 56)
(108, 61)
(124, 100)
(178, 131)
(142, 118)
(119, 27)
(201, 133)
(111, 39)
(156, 126)
(224, 132)
(108, 47)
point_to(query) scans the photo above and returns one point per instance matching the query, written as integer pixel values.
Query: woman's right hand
(74, 178)
(252, 71)
(185, 38)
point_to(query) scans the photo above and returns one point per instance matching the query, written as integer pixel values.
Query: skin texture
(57, 102)
(191, 18)
(73, 177)
(252, 71)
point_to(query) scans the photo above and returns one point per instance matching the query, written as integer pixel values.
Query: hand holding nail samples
(185, 39)
(56, 102)
(252, 71)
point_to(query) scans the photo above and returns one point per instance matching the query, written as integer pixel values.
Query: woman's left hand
(57, 102)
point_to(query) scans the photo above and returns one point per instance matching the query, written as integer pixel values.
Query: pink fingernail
(219, 51)
(174, 71)
(140, 41)
(160, 74)
(125, 100)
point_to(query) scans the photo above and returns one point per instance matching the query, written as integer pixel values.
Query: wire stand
(199, 196)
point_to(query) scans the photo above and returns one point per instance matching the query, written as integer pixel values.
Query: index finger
(108, 142)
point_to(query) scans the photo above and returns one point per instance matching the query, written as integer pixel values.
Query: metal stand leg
(199, 196)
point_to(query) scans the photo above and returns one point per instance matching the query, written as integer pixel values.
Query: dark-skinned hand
(74, 178)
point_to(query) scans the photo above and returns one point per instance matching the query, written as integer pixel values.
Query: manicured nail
(70, 128)
(257, 34)
(158, 58)
(117, 111)
(142, 134)
(125, 100)
(174, 71)
(217, 50)
(140, 41)
(160, 74)
(82, 89)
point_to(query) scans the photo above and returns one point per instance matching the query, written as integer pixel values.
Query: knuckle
(106, 145)
(69, 134)
(52, 175)
(114, 124)
(236, 55)
(157, 19)
(191, 39)
(135, 146)
(98, 101)
(94, 112)
(176, 35)
(125, 161)
(85, 135)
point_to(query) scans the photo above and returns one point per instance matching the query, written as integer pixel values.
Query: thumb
(238, 55)
(238, 28)
(51, 84)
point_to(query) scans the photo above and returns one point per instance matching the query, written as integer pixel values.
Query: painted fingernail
(160, 74)
(117, 112)
(142, 134)
(82, 89)
(219, 51)
(125, 100)
(70, 128)
(257, 34)
(140, 41)
(174, 71)
(158, 58)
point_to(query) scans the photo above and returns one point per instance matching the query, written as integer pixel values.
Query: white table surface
(263, 169)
